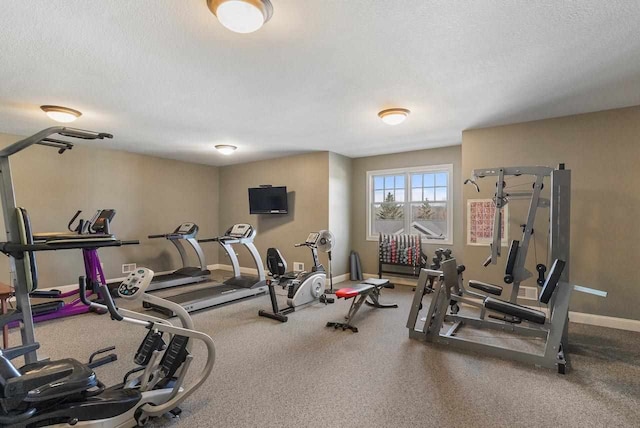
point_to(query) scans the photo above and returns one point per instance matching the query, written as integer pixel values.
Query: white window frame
(448, 168)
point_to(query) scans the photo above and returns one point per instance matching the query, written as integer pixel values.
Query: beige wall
(151, 195)
(602, 150)
(307, 180)
(340, 203)
(368, 250)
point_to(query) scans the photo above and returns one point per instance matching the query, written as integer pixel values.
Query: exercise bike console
(312, 239)
(135, 284)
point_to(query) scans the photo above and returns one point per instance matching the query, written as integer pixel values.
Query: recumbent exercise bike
(303, 288)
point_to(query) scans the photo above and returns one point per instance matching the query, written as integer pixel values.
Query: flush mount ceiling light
(226, 149)
(61, 114)
(241, 16)
(394, 116)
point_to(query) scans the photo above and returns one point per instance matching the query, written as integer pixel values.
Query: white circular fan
(325, 241)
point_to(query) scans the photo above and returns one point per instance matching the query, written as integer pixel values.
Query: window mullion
(407, 202)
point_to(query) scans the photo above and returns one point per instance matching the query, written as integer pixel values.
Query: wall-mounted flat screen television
(268, 200)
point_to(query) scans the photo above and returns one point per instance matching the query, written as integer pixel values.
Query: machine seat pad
(79, 378)
(486, 287)
(288, 275)
(515, 310)
(379, 283)
(356, 290)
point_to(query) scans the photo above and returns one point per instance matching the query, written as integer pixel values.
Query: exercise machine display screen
(99, 225)
(185, 228)
(240, 230)
(312, 238)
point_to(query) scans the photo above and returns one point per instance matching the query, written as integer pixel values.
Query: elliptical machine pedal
(324, 299)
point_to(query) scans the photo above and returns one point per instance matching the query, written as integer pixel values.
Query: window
(411, 200)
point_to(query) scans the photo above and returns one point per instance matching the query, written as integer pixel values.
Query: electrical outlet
(298, 266)
(128, 267)
(528, 293)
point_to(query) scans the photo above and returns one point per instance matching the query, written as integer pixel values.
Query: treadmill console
(240, 230)
(100, 223)
(312, 239)
(135, 284)
(186, 229)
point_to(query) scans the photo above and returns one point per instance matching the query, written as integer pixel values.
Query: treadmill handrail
(40, 136)
(227, 239)
(41, 237)
(70, 244)
(172, 235)
(216, 239)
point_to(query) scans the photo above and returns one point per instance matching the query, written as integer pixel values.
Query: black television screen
(268, 200)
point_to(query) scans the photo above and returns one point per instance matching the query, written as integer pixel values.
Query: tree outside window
(414, 201)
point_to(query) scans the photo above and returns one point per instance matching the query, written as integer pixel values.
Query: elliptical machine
(67, 392)
(303, 288)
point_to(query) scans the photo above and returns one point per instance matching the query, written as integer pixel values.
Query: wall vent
(128, 267)
(528, 293)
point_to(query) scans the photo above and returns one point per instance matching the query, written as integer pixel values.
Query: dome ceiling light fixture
(61, 114)
(226, 149)
(394, 116)
(241, 16)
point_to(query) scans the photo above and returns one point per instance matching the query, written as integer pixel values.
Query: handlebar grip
(82, 282)
(108, 302)
(156, 236)
(300, 245)
(83, 134)
(131, 242)
(487, 262)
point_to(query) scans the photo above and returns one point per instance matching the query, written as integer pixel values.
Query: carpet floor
(302, 374)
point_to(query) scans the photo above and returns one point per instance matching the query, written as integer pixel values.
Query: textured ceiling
(167, 79)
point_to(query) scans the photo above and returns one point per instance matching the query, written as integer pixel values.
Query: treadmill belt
(202, 293)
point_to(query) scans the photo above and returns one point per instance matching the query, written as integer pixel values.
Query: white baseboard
(341, 278)
(253, 271)
(598, 320)
(604, 321)
(229, 268)
(393, 279)
(71, 287)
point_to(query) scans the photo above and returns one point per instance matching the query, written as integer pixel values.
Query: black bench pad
(486, 287)
(515, 310)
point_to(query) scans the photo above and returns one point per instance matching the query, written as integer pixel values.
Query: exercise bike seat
(287, 276)
(356, 290)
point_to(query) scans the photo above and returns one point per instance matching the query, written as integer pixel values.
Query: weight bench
(369, 289)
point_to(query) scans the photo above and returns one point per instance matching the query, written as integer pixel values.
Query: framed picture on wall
(480, 213)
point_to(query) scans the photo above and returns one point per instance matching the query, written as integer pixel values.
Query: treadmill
(186, 274)
(235, 289)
